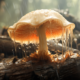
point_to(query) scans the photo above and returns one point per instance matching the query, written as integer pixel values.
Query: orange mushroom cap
(25, 29)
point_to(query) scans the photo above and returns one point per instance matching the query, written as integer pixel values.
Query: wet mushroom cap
(26, 28)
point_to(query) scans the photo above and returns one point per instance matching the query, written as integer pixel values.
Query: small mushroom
(40, 26)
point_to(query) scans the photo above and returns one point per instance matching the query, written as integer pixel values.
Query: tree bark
(7, 47)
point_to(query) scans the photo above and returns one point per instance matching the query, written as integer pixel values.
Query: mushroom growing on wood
(40, 26)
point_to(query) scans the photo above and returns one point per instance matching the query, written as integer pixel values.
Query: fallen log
(31, 71)
(7, 47)
(69, 70)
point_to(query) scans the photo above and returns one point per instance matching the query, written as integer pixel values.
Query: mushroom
(40, 26)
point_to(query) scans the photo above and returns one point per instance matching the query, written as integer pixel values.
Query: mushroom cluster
(40, 26)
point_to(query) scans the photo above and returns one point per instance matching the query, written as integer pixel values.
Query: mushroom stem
(43, 49)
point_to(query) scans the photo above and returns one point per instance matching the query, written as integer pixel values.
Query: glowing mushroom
(40, 26)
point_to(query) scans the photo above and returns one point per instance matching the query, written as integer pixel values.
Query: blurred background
(12, 10)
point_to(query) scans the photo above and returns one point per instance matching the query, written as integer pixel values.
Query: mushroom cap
(26, 28)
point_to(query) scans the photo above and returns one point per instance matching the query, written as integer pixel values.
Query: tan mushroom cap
(25, 29)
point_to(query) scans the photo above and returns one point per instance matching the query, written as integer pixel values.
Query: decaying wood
(28, 71)
(33, 71)
(7, 47)
(53, 46)
(69, 70)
